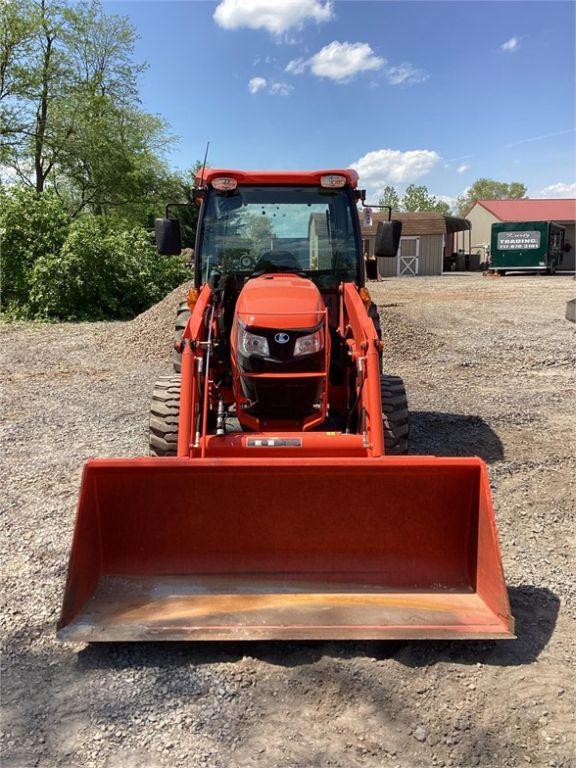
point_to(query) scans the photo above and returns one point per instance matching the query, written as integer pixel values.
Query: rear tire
(164, 413)
(182, 317)
(395, 417)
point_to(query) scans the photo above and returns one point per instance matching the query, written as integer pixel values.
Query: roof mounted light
(332, 180)
(224, 183)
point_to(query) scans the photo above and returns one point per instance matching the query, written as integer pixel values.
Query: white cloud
(296, 66)
(272, 15)
(256, 84)
(391, 166)
(263, 60)
(281, 89)
(339, 61)
(274, 87)
(511, 45)
(463, 167)
(405, 74)
(561, 189)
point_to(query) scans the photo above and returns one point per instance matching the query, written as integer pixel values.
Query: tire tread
(164, 413)
(182, 317)
(395, 415)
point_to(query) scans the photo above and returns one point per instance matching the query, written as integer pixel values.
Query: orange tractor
(278, 502)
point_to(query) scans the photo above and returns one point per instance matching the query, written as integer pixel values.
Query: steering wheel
(247, 262)
(277, 261)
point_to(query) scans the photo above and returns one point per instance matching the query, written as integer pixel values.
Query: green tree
(16, 36)
(37, 77)
(70, 117)
(418, 198)
(88, 164)
(111, 165)
(258, 229)
(489, 189)
(390, 197)
(442, 207)
(31, 225)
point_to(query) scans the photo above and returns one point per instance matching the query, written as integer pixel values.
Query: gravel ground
(489, 365)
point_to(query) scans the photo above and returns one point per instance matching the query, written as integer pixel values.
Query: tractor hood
(280, 301)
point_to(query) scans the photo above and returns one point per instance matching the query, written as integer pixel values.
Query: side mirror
(168, 237)
(388, 237)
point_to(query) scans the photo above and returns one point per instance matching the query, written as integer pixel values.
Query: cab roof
(300, 178)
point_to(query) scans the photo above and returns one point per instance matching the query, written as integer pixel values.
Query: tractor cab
(250, 229)
(264, 222)
(275, 248)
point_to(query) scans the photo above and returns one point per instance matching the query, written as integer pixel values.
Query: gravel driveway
(489, 365)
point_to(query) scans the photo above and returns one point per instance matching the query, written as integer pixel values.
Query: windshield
(279, 229)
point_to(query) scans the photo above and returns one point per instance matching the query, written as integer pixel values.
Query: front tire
(164, 413)
(395, 416)
(182, 317)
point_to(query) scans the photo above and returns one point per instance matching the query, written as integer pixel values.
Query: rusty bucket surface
(178, 549)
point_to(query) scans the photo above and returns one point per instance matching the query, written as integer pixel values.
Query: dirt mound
(149, 336)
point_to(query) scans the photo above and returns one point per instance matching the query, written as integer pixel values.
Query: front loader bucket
(230, 549)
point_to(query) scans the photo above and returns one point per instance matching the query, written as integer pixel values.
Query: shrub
(31, 225)
(86, 269)
(102, 274)
(144, 277)
(77, 283)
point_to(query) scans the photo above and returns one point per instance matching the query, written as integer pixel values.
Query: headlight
(251, 344)
(308, 345)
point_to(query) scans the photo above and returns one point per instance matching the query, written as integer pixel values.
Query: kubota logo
(282, 338)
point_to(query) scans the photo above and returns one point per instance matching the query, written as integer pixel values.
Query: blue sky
(437, 93)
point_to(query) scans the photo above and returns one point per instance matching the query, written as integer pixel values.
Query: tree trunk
(40, 169)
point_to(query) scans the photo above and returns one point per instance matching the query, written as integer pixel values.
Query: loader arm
(195, 373)
(365, 350)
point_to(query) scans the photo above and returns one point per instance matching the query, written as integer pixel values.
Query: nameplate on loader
(274, 442)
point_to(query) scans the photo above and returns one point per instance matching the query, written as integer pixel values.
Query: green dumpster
(522, 246)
